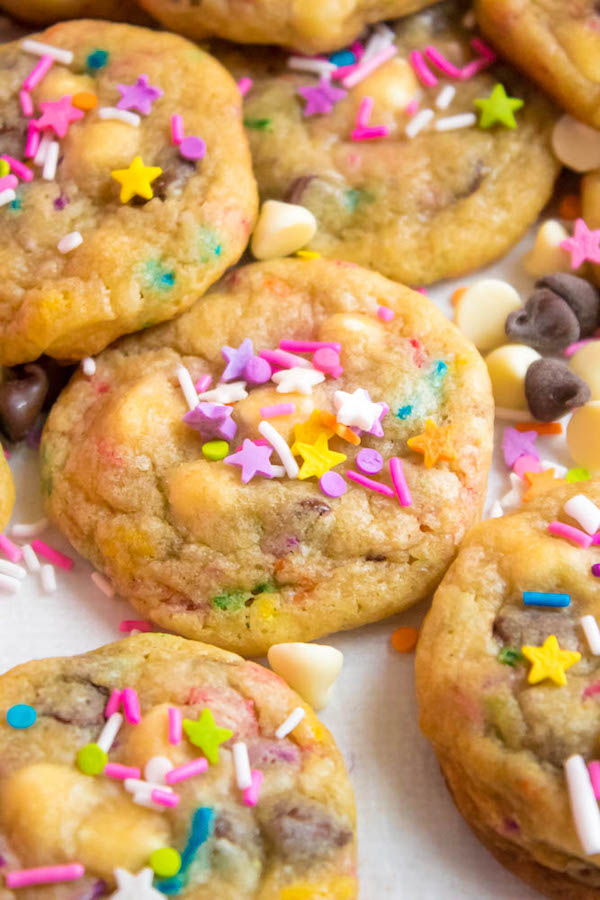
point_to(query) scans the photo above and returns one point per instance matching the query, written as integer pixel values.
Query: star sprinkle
(356, 409)
(58, 115)
(498, 108)
(318, 458)
(136, 180)
(237, 359)
(211, 420)
(549, 661)
(518, 443)
(289, 381)
(135, 887)
(321, 99)
(584, 245)
(539, 483)
(377, 429)
(206, 735)
(308, 431)
(226, 393)
(253, 459)
(435, 443)
(140, 95)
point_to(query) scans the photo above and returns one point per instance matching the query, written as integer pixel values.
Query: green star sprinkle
(498, 108)
(206, 735)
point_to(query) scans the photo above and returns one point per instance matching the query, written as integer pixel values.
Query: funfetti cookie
(556, 42)
(129, 187)
(507, 683)
(410, 150)
(300, 453)
(7, 491)
(163, 767)
(44, 12)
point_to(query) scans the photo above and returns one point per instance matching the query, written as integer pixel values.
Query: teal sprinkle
(440, 367)
(97, 59)
(17, 203)
(343, 58)
(210, 244)
(202, 826)
(404, 412)
(353, 197)
(231, 600)
(158, 277)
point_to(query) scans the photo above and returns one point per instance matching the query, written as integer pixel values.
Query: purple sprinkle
(257, 371)
(332, 484)
(369, 461)
(192, 148)
(511, 826)
(596, 570)
(61, 202)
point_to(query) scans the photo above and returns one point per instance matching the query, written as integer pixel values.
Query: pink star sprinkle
(58, 115)
(321, 99)
(140, 95)
(253, 459)
(584, 245)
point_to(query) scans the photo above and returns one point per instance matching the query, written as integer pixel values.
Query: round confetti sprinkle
(21, 716)
(405, 639)
(596, 570)
(369, 461)
(215, 449)
(578, 474)
(192, 148)
(332, 484)
(325, 359)
(91, 759)
(97, 59)
(84, 100)
(165, 862)
(257, 370)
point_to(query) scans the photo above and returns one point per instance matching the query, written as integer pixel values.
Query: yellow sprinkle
(4, 168)
(308, 254)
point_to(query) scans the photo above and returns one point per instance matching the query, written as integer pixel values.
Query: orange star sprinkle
(435, 443)
(330, 421)
(539, 483)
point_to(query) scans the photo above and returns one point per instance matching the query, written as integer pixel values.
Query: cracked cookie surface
(44, 12)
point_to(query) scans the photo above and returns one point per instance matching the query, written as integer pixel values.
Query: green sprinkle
(97, 59)
(510, 656)
(258, 124)
(91, 759)
(231, 600)
(578, 475)
(268, 587)
(215, 449)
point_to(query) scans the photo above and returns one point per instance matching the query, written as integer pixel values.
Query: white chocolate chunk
(576, 145)
(546, 254)
(586, 364)
(583, 435)
(310, 669)
(482, 310)
(282, 228)
(507, 367)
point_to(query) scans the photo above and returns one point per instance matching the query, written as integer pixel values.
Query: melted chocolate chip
(302, 830)
(22, 399)
(176, 171)
(311, 504)
(73, 701)
(297, 187)
(516, 627)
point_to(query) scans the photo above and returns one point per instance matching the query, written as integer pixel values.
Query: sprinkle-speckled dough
(7, 491)
(44, 12)
(250, 565)
(420, 209)
(309, 26)
(299, 836)
(140, 262)
(556, 42)
(500, 740)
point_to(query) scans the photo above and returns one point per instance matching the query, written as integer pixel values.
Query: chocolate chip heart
(21, 400)
(552, 389)
(546, 322)
(582, 297)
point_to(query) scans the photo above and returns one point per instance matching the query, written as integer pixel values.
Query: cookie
(44, 12)
(396, 176)
(119, 227)
(507, 685)
(189, 724)
(556, 42)
(7, 491)
(212, 543)
(302, 24)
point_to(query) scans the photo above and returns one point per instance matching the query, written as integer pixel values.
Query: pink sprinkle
(244, 85)
(9, 549)
(116, 770)
(421, 290)
(37, 73)
(177, 129)
(368, 134)
(164, 798)
(308, 346)
(44, 875)
(343, 71)
(443, 64)
(573, 348)
(281, 409)
(570, 534)
(174, 716)
(250, 794)
(114, 702)
(591, 690)
(328, 361)
(283, 359)
(8, 182)
(369, 483)
(188, 770)
(53, 556)
(26, 103)
(526, 464)
(135, 625)
(399, 481)
(385, 313)
(483, 49)
(203, 383)
(33, 141)
(131, 706)
(422, 70)
(364, 112)
(594, 773)
(17, 167)
(365, 69)
(411, 108)
(596, 539)
(358, 50)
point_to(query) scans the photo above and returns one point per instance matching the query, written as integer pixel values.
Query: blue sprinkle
(404, 412)
(16, 203)
(97, 59)
(541, 598)
(440, 367)
(21, 716)
(158, 276)
(202, 824)
(343, 58)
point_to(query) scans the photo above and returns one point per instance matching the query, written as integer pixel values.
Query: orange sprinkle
(570, 207)
(540, 427)
(342, 431)
(456, 295)
(405, 639)
(84, 100)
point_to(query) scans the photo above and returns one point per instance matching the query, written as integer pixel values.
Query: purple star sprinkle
(253, 459)
(140, 95)
(321, 99)
(518, 443)
(237, 360)
(212, 420)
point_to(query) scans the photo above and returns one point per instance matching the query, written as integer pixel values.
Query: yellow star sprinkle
(435, 443)
(136, 180)
(308, 431)
(318, 458)
(549, 661)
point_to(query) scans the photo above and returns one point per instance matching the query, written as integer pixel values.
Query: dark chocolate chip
(546, 322)
(552, 389)
(21, 400)
(582, 297)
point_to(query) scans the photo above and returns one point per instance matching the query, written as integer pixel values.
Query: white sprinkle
(445, 96)
(8, 568)
(157, 768)
(452, 123)
(88, 366)
(294, 718)
(187, 386)
(135, 785)
(9, 585)
(496, 512)
(39, 49)
(49, 170)
(381, 38)
(32, 529)
(103, 584)
(226, 393)
(40, 157)
(69, 242)
(7, 196)
(278, 471)
(280, 447)
(143, 798)
(122, 115)
(584, 805)
(559, 471)
(111, 729)
(583, 511)
(48, 578)
(592, 633)
(418, 122)
(318, 66)
(241, 762)
(31, 560)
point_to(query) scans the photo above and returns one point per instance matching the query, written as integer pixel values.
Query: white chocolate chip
(310, 669)
(583, 435)
(282, 228)
(546, 254)
(507, 366)
(586, 364)
(482, 310)
(576, 145)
